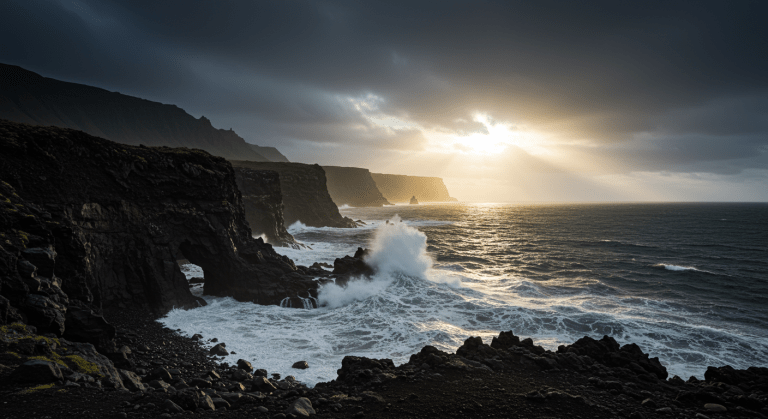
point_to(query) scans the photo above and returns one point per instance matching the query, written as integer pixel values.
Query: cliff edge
(353, 186)
(305, 195)
(263, 204)
(400, 188)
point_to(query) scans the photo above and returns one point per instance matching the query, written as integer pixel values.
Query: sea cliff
(305, 195)
(263, 204)
(108, 222)
(400, 188)
(353, 186)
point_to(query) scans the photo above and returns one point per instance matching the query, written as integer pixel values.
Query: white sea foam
(396, 249)
(678, 268)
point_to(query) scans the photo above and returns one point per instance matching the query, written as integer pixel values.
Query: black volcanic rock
(305, 195)
(608, 352)
(353, 186)
(118, 217)
(350, 267)
(263, 203)
(30, 98)
(399, 188)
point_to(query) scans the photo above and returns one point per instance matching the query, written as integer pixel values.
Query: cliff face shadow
(120, 215)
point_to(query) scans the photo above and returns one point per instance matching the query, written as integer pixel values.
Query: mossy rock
(81, 365)
(38, 388)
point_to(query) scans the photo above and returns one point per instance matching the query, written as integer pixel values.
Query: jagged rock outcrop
(263, 203)
(348, 267)
(30, 98)
(414, 201)
(353, 186)
(108, 222)
(305, 196)
(270, 153)
(400, 188)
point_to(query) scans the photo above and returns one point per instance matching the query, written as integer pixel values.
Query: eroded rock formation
(400, 188)
(353, 186)
(305, 196)
(91, 223)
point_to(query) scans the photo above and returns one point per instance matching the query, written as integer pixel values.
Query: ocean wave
(678, 268)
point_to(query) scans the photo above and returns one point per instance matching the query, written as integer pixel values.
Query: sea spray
(396, 249)
(296, 227)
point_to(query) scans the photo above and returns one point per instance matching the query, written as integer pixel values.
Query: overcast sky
(507, 101)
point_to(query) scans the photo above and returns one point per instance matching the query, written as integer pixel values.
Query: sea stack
(414, 201)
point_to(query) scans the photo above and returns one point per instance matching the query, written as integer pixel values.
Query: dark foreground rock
(507, 379)
(90, 223)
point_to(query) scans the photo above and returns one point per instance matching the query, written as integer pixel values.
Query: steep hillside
(353, 186)
(400, 188)
(305, 196)
(30, 98)
(270, 153)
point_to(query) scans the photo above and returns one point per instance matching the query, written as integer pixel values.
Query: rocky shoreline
(164, 374)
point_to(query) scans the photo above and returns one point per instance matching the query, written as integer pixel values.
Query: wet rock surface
(305, 194)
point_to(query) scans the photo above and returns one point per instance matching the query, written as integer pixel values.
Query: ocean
(686, 282)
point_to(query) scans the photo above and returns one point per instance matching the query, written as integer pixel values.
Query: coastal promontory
(305, 194)
(353, 186)
(400, 188)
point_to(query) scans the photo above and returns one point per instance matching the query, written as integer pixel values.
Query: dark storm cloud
(649, 80)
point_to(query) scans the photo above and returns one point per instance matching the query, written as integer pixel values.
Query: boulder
(132, 381)
(263, 385)
(244, 365)
(241, 375)
(37, 371)
(302, 365)
(301, 407)
(171, 407)
(84, 325)
(219, 349)
(191, 399)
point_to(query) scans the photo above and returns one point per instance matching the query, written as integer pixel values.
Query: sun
(496, 139)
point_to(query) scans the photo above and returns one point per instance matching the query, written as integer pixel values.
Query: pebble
(714, 407)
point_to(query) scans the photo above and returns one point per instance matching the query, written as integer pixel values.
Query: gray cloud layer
(656, 85)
